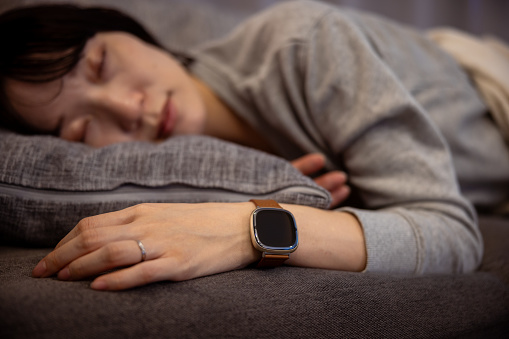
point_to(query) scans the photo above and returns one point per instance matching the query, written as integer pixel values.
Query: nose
(123, 106)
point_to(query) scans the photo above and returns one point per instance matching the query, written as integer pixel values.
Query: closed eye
(101, 65)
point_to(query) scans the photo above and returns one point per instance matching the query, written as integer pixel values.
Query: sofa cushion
(47, 184)
(253, 303)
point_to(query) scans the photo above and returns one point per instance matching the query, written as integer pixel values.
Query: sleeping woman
(375, 100)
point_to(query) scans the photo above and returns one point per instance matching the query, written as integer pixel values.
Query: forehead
(34, 102)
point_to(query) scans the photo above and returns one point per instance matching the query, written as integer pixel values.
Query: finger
(138, 275)
(113, 255)
(332, 180)
(310, 163)
(86, 242)
(121, 217)
(339, 195)
(335, 183)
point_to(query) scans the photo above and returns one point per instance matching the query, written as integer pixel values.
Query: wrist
(328, 239)
(248, 252)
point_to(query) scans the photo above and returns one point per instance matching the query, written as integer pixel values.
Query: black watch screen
(275, 228)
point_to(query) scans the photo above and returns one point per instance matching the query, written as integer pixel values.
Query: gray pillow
(47, 184)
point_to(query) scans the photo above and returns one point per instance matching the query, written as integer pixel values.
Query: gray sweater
(382, 103)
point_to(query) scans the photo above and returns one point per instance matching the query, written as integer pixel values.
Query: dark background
(475, 16)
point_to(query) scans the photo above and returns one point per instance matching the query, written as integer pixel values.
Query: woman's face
(122, 89)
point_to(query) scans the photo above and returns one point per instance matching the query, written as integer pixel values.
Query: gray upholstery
(274, 303)
(47, 185)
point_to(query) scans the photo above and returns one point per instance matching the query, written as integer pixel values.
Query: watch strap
(269, 259)
(272, 260)
(265, 203)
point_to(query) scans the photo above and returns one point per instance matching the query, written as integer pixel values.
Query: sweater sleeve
(414, 217)
(323, 86)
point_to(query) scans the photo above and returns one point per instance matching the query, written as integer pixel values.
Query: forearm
(185, 241)
(328, 239)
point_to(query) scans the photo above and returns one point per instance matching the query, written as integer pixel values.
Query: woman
(300, 78)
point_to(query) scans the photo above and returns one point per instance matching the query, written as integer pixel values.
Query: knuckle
(89, 239)
(52, 260)
(185, 269)
(84, 225)
(144, 208)
(148, 274)
(113, 253)
(76, 270)
(141, 207)
(183, 276)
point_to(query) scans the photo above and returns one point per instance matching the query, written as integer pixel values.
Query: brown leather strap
(272, 260)
(269, 260)
(265, 203)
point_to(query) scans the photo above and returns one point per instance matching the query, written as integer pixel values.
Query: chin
(191, 126)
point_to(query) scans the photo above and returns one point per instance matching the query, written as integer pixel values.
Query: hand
(182, 241)
(185, 241)
(334, 181)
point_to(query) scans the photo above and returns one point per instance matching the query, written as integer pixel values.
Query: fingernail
(99, 285)
(64, 274)
(39, 269)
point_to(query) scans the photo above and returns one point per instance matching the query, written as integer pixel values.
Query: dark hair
(43, 43)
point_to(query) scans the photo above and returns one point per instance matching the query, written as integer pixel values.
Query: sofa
(48, 184)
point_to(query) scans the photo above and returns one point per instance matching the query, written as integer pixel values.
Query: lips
(168, 118)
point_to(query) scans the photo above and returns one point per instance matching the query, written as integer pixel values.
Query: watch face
(275, 229)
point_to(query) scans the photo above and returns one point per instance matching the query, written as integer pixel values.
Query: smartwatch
(273, 232)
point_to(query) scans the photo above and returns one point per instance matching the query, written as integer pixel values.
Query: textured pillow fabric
(47, 184)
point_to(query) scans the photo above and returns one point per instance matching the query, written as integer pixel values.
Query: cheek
(100, 134)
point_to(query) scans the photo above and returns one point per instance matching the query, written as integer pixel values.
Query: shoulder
(297, 10)
(292, 19)
(259, 38)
